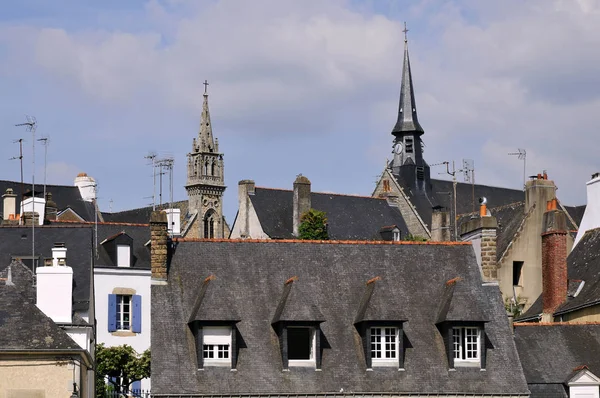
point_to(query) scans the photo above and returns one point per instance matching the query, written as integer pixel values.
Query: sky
(306, 87)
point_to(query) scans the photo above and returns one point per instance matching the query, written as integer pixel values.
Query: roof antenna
(31, 125)
(453, 209)
(45, 143)
(522, 155)
(468, 170)
(20, 157)
(152, 156)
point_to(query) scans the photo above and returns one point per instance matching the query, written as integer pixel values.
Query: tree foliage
(123, 365)
(415, 238)
(313, 226)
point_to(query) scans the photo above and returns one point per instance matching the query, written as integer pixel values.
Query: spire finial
(205, 87)
(405, 30)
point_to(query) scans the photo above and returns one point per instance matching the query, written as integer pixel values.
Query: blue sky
(305, 87)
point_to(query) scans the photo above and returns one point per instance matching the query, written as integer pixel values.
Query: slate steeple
(408, 147)
(407, 112)
(205, 180)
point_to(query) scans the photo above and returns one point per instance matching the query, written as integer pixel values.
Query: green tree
(415, 238)
(313, 226)
(123, 365)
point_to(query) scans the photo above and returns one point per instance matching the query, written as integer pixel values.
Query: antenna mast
(31, 125)
(20, 157)
(45, 143)
(165, 166)
(522, 155)
(453, 194)
(468, 171)
(152, 156)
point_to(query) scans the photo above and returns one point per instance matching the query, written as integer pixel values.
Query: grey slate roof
(23, 327)
(550, 353)
(349, 217)
(583, 264)
(576, 213)
(334, 275)
(78, 239)
(65, 196)
(142, 215)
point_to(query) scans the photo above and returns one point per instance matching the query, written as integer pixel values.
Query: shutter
(136, 387)
(112, 312)
(136, 313)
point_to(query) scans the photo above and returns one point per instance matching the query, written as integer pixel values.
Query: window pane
(456, 339)
(299, 343)
(375, 342)
(209, 351)
(471, 343)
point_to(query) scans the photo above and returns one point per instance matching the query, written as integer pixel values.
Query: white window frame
(216, 337)
(462, 348)
(121, 313)
(313, 348)
(388, 357)
(123, 256)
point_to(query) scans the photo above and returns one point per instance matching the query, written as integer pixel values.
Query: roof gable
(583, 377)
(460, 303)
(297, 304)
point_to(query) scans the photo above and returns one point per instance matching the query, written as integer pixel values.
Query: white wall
(591, 217)
(34, 204)
(106, 280)
(55, 292)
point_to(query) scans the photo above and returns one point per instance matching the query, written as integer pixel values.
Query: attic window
(123, 255)
(384, 346)
(301, 346)
(466, 345)
(216, 345)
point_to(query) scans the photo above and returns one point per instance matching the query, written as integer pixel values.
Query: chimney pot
(302, 200)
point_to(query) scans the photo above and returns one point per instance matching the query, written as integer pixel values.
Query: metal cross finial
(205, 86)
(405, 32)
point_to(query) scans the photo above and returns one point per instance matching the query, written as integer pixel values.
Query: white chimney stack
(591, 217)
(174, 220)
(55, 287)
(87, 187)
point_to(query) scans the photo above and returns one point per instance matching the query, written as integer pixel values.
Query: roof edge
(327, 242)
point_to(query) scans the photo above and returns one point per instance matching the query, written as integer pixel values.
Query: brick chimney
(245, 188)
(51, 208)
(159, 246)
(481, 232)
(301, 200)
(554, 260)
(30, 217)
(440, 225)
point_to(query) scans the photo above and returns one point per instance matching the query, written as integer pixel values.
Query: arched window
(206, 168)
(209, 225)
(212, 169)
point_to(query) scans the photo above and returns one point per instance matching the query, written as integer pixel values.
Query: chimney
(31, 217)
(87, 187)
(51, 208)
(54, 294)
(591, 216)
(301, 200)
(245, 188)
(481, 232)
(158, 246)
(539, 190)
(10, 205)
(554, 260)
(440, 225)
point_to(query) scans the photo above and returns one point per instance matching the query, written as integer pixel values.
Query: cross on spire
(205, 86)
(405, 30)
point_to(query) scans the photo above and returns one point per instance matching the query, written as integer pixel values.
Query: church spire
(207, 143)
(407, 113)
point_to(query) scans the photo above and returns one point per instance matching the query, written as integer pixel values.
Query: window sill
(467, 364)
(384, 363)
(301, 363)
(216, 364)
(123, 333)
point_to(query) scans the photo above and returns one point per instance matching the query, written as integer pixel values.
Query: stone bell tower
(205, 180)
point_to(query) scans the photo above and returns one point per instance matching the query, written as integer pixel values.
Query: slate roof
(65, 196)
(576, 212)
(349, 217)
(334, 275)
(16, 242)
(441, 196)
(142, 215)
(23, 327)
(583, 264)
(550, 353)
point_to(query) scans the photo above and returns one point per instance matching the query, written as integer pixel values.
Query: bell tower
(205, 180)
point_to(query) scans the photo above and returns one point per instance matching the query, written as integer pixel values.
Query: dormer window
(384, 346)
(301, 346)
(216, 345)
(466, 345)
(123, 256)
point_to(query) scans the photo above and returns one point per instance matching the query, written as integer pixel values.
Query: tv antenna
(45, 141)
(152, 157)
(31, 125)
(521, 155)
(165, 166)
(453, 207)
(468, 170)
(20, 157)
